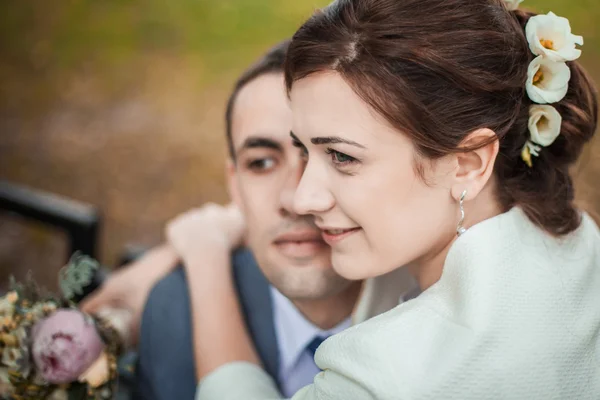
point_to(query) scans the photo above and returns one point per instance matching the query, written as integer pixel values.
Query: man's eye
(303, 149)
(304, 154)
(261, 164)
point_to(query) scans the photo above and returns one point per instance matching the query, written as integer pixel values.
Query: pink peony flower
(65, 345)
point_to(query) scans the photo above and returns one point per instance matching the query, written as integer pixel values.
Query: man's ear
(475, 167)
(231, 174)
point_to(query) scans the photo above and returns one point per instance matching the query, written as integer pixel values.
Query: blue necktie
(314, 345)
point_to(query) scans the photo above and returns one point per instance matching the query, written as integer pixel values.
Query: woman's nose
(313, 195)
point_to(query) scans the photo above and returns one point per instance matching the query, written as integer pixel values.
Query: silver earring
(461, 229)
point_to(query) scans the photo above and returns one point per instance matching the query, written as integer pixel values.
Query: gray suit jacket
(165, 368)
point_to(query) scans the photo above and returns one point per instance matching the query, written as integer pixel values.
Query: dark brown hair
(271, 62)
(438, 70)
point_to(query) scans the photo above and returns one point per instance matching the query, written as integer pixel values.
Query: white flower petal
(547, 81)
(550, 35)
(11, 357)
(534, 149)
(512, 4)
(544, 125)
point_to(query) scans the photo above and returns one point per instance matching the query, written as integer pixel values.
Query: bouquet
(51, 350)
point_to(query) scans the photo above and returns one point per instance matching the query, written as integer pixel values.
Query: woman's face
(361, 183)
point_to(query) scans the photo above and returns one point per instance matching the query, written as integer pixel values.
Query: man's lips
(300, 244)
(299, 236)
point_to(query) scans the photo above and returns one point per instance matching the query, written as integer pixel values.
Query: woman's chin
(352, 265)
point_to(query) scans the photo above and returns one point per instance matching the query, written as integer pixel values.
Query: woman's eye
(340, 158)
(261, 164)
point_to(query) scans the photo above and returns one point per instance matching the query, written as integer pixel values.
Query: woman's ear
(232, 181)
(475, 167)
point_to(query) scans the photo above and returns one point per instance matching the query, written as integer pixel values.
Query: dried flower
(15, 354)
(120, 320)
(98, 374)
(11, 357)
(59, 394)
(7, 307)
(65, 344)
(12, 296)
(4, 377)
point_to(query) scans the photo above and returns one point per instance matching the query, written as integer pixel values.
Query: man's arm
(129, 287)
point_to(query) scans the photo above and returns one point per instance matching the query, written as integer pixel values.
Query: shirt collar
(294, 331)
(410, 294)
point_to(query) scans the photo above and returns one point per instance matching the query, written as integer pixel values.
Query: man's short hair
(271, 62)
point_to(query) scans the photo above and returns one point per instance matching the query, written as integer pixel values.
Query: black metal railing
(80, 221)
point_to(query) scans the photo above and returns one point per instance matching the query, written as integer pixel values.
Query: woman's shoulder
(510, 248)
(507, 267)
(385, 353)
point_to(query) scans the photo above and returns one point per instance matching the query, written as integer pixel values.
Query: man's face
(288, 247)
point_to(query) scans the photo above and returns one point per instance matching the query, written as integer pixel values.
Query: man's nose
(288, 190)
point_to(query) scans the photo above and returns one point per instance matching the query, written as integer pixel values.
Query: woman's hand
(202, 229)
(205, 238)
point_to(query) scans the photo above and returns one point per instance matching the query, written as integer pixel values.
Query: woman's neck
(428, 270)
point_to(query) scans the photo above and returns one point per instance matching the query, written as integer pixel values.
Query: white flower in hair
(550, 35)
(547, 81)
(544, 124)
(544, 127)
(512, 4)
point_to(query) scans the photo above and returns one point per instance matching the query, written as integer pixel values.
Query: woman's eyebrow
(328, 140)
(333, 140)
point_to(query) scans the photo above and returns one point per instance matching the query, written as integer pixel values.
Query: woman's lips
(333, 236)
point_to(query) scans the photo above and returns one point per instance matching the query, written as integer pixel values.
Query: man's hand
(129, 287)
(206, 227)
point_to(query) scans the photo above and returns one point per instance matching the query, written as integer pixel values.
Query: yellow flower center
(543, 123)
(538, 77)
(547, 43)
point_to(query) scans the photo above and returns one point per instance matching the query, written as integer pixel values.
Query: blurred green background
(120, 103)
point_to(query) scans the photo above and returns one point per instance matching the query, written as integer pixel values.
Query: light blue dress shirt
(294, 332)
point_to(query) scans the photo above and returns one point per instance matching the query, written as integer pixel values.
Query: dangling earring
(461, 229)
